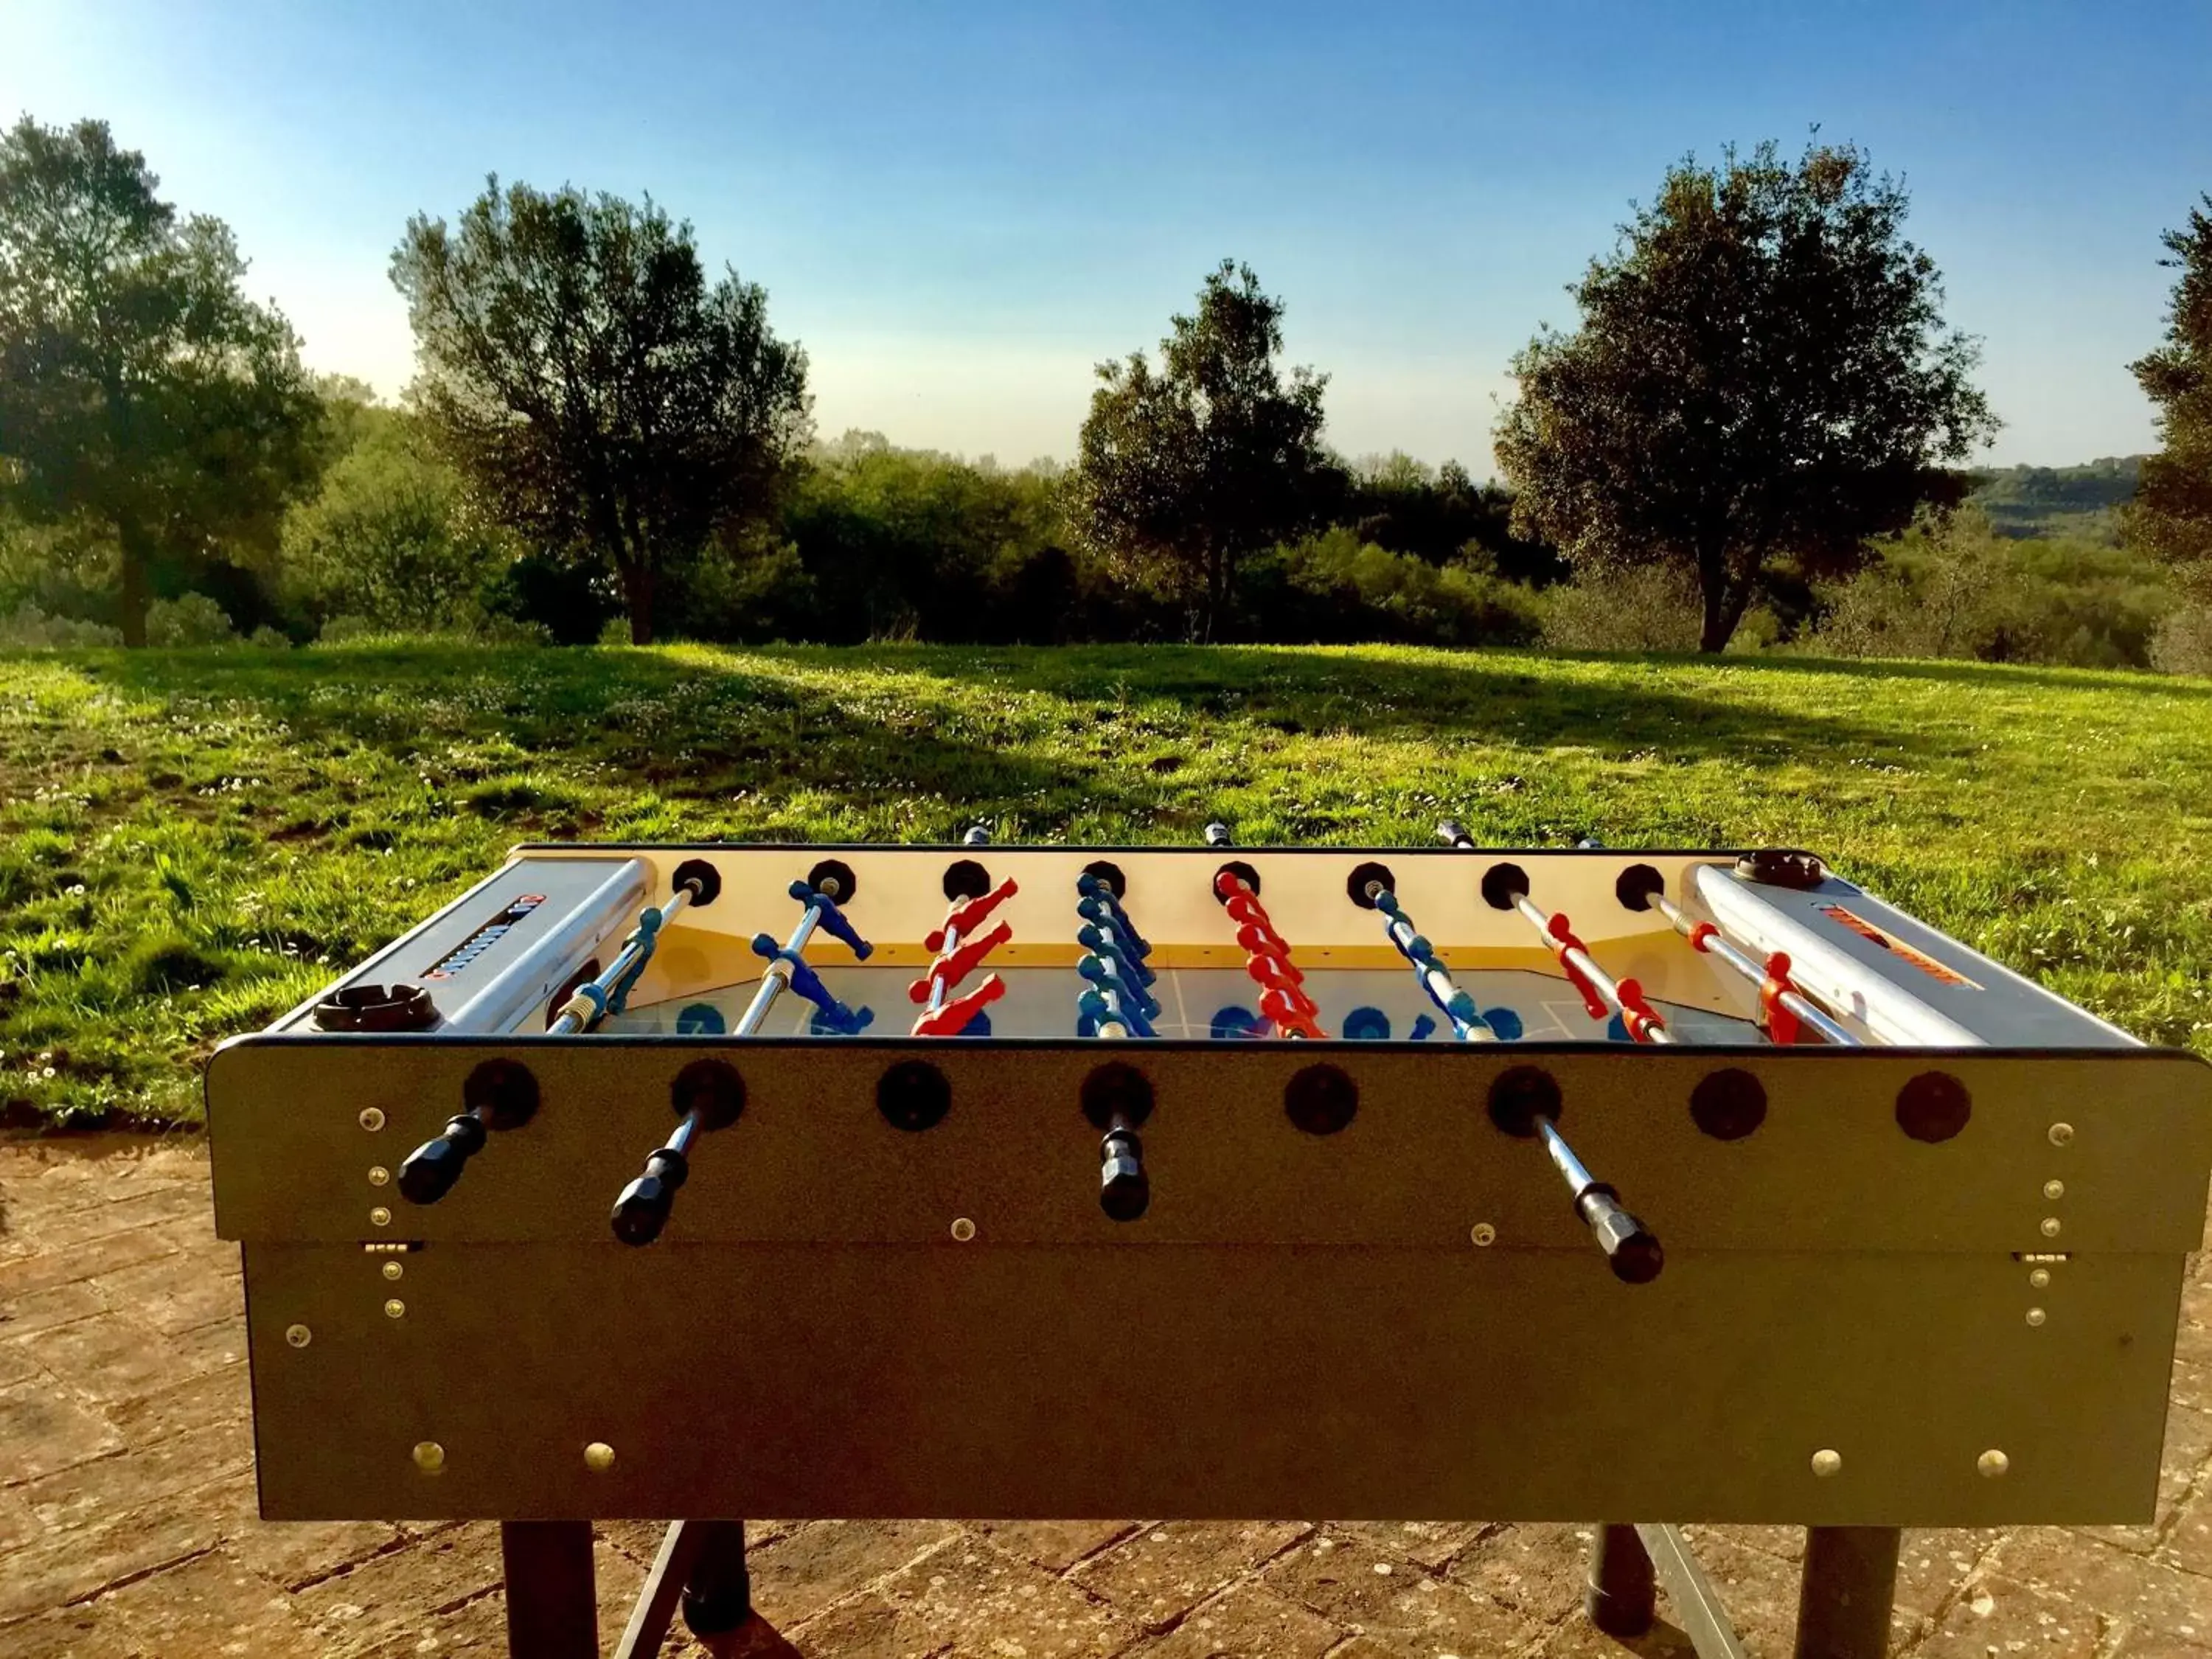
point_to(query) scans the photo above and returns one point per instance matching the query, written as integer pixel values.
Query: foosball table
(1202, 1182)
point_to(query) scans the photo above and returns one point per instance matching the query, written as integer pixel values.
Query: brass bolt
(1992, 1463)
(2040, 1277)
(2054, 1189)
(2061, 1133)
(392, 1269)
(1826, 1462)
(598, 1457)
(963, 1230)
(429, 1456)
(1484, 1235)
(298, 1335)
(378, 1175)
(2051, 1225)
(379, 1216)
(395, 1309)
(372, 1118)
(2036, 1315)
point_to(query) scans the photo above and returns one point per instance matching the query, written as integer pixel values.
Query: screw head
(429, 1456)
(598, 1457)
(379, 1216)
(2039, 1278)
(963, 1229)
(372, 1118)
(298, 1335)
(2051, 1226)
(378, 1175)
(395, 1309)
(2061, 1133)
(393, 1270)
(2054, 1189)
(2036, 1315)
(1827, 1462)
(1484, 1235)
(1992, 1463)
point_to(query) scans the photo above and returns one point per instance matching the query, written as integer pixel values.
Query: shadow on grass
(1982, 676)
(686, 730)
(1506, 696)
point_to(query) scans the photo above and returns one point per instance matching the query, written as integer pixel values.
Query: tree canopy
(2172, 515)
(1762, 368)
(142, 397)
(1186, 469)
(577, 366)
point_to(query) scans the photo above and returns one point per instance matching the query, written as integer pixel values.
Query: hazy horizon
(959, 216)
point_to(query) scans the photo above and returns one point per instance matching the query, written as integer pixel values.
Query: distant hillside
(2060, 501)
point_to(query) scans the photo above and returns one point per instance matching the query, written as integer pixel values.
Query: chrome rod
(1718, 943)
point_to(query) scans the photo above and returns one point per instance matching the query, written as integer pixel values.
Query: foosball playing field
(696, 1183)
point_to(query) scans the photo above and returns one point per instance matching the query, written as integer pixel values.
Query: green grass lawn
(192, 841)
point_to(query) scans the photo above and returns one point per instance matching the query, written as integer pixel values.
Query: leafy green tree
(141, 394)
(1762, 368)
(391, 536)
(2172, 514)
(1190, 467)
(909, 542)
(579, 369)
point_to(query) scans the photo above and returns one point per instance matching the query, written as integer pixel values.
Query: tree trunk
(637, 597)
(137, 557)
(1217, 590)
(1725, 602)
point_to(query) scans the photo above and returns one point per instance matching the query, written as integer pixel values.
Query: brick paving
(127, 1525)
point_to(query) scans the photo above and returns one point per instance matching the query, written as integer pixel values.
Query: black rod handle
(1125, 1192)
(642, 1209)
(1630, 1247)
(430, 1170)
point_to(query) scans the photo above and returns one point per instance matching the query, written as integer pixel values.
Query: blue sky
(960, 208)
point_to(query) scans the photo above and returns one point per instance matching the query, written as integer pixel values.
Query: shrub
(391, 538)
(2183, 644)
(1642, 608)
(188, 619)
(1961, 590)
(29, 628)
(343, 630)
(265, 638)
(1335, 587)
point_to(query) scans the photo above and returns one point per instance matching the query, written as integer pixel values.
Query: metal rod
(1436, 979)
(937, 986)
(654, 1610)
(1599, 981)
(1718, 944)
(776, 976)
(1579, 1180)
(570, 1021)
(1690, 1594)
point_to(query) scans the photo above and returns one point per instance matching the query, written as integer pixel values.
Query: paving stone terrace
(127, 1525)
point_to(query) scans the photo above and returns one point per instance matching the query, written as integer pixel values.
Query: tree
(578, 369)
(1762, 368)
(391, 538)
(141, 395)
(1186, 469)
(2171, 513)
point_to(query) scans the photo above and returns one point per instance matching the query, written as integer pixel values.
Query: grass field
(192, 841)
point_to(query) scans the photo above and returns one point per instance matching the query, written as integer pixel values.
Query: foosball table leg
(1622, 1592)
(1849, 1583)
(552, 1602)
